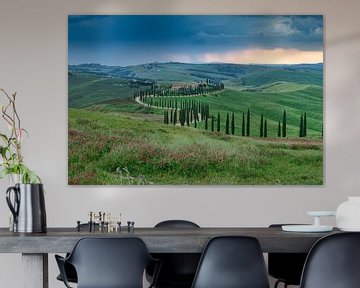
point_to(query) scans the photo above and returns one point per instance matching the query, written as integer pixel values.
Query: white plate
(321, 213)
(306, 228)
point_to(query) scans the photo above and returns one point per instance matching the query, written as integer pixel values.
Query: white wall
(33, 62)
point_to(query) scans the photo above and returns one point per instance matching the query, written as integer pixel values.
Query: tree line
(190, 111)
(158, 90)
(187, 115)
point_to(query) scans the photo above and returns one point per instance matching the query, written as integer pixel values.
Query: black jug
(28, 208)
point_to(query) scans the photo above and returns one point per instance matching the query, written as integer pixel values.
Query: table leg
(35, 270)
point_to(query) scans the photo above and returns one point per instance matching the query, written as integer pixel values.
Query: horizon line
(198, 63)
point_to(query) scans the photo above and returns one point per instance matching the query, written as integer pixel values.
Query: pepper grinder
(78, 226)
(90, 221)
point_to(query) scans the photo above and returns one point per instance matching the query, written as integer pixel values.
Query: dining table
(35, 247)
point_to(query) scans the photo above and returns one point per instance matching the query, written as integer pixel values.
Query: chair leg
(278, 282)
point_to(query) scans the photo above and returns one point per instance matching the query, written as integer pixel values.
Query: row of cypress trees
(187, 90)
(183, 104)
(188, 115)
(185, 116)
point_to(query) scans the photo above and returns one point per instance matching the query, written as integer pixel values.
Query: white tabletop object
(316, 227)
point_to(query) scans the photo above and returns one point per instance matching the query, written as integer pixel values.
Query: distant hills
(230, 74)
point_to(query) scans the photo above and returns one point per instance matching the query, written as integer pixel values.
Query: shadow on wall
(345, 39)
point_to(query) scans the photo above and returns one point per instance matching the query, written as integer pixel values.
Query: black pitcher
(28, 208)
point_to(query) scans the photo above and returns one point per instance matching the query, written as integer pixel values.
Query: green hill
(264, 89)
(284, 75)
(308, 99)
(112, 148)
(87, 89)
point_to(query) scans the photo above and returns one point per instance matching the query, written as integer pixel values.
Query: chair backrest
(177, 268)
(176, 224)
(286, 266)
(232, 262)
(110, 262)
(333, 262)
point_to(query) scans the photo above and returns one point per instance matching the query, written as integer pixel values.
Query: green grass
(113, 148)
(300, 77)
(86, 90)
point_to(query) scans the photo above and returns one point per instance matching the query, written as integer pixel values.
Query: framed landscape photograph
(195, 100)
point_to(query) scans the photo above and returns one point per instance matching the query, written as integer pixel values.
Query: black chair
(333, 262)
(178, 269)
(69, 269)
(286, 267)
(108, 263)
(232, 262)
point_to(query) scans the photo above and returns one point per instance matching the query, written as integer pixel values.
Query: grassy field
(112, 148)
(115, 140)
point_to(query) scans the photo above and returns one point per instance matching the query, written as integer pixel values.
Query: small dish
(306, 228)
(321, 213)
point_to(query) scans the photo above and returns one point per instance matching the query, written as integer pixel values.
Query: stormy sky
(130, 40)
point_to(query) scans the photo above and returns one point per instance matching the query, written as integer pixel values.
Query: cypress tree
(195, 123)
(182, 117)
(218, 122)
(187, 118)
(243, 125)
(305, 125)
(265, 128)
(212, 123)
(206, 123)
(279, 129)
(233, 123)
(262, 126)
(171, 116)
(166, 117)
(322, 130)
(175, 117)
(248, 123)
(227, 125)
(284, 125)
(301, 130)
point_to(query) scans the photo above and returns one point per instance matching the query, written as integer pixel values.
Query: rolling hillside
(265, 89)
(117, 138)
(106, 148)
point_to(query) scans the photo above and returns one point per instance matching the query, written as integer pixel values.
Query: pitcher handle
(13, 208)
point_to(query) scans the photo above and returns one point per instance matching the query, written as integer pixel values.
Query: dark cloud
(116, 39)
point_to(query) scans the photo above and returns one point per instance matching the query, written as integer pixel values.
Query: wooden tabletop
(158, 240)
